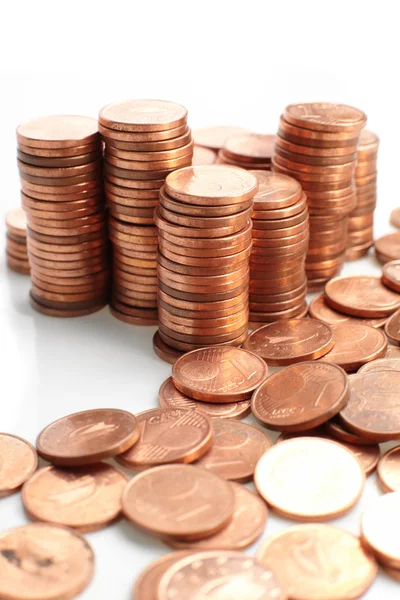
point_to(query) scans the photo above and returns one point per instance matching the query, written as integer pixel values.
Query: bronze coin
(50, 173)
(235, 451)
(388, 471)
(19, 462)
(16, 222)
(208, 297)
(395, 217)
(163, 351)
(67, 161)
(54, 562)
(389, 246)
(391, 275)
(153, 156)
(147, 165)
(203, 156)
(322, 466)
(119, 193)
(336, 430)
(325, 116)
(392, 328)
(216, 244)
(301, 397)
(315, 151)
(156, 145)
(18, 265)
(146, 585)
(86, 437)
(238, 220)
(64, 313)
(379, 529)
(142, 136)
(48, 496)
(283, 214)
(135, 184)
(319, 309)
(320, 139)
(204, 340)
(361, 296)
(143, 115)
(59, 153)
(198, 211)
(234, 301)
(58, 131)
(236, 340)
(250, 148)
(382, 364)
(210, 232)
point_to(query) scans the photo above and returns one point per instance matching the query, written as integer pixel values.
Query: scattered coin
(380, 529)
(382, 364)
(179, 501)
(319, 309)
(147, 583)
(392, 328)
(335, 428)
(387, 247)
(391, 275)
(319, 562)
(388, 471)
(361, 296)
(86, 437)
(332, 479)
(18, 462)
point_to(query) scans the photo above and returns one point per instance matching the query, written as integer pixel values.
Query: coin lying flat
(335, 428)
(325, 116)
(388, 471)
(220, 573)
(18, 461)
(58, 131)
(380, 529)
(382, 364)
(147, 583)
(86, 498)
(319, 562)
(361, 296)
(301, 396)
(309, 479)
(44, 562)
(86, 437)
(391, 275)
(180, 501)
(143, 115)
(319, 309)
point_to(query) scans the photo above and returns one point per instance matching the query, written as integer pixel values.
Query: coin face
(85, 499)
(275, 190)
(216, 136)
(373, 410)
(319, 562)
(58, 131)
(289, 341)
(235, 451)
(169, 435)
(18, 462)
(388, 470)
(219, 574)
(86, 437)
(301, 396)
(148, 581)
(180, 501)
(320, 309)
(380, 529)
(388, 246)
(332, 479)
(382, 364)
(325, 116)
(361, 296)
(143, 115)
(44, 562)
(219, 373)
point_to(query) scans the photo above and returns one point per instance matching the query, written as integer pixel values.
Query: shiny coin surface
(380, 529)
(320, 309)
(391, 275)
(325, 116)
(147, 583)
(143, 115)
(18, 462)
(86, 437)
(388, 471)
(332, 479)
(361, 296)
(58, 131)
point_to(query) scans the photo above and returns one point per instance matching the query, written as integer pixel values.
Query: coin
(58, 131)
(380, 529)
(86, 498)
(220, 572)
(325, 116)
(168, 435)
(203, 156)
(332, 479)
(44, 561)
(395, 217)
(361, 296)
(320, 309)
(301, 396)
(147, 583)
(382, 364)
(247, 525)
(164, 351)
(235, 450)
(391, 275)
(214, 137)
(86, 437)
(290, 341)
(18, 463)
(319, 561)
(354, 345)
(392, 328)
(249, 148)
(143, 115)
(388, 471)
(219, 374)
(392, 351)
(180, 501)
(335, 428)
(170, 397)
(16, 222)
(387, 247)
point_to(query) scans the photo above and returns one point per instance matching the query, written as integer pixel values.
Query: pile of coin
(317, 145)
(249, 151)
(204, 231)
(59, 161)
(145, 140)
(278, 282)
(361, 219)
(16, 250)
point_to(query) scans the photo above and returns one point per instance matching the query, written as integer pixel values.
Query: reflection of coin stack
(16, 250)
(145, 140)
(250, 151)
(317, 144)
(205, 240)
(59, 160)
(278, 282)
(361, 220)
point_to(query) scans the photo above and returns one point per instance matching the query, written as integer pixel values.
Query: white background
(236, 63)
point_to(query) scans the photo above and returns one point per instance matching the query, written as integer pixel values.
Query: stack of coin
(204, 244)
(249, 151)
(16, 250)
(317, 145)
(214, 137)
(278, 282)
(361, 219)
(145, 140)
(59, 160)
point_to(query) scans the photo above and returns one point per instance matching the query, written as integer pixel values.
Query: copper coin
(17, 464)
(308, 564)
(198, 211)
(372, 409)
(247, 525)
(321, 139)
(336, 429)
(219, 374)
(301, 396)
(170, 397)
(391, 275)
(163, 351)
(388, 471)
(228, 242)
(380, 529)
(382, 364)
(325, 116)
(389, 246)
(392, 328)
(392, 351)
(146, 585)
(184, 231)
(395, 217)
(64, 313)
(220, 572)
(234, 301)
(86, 499)
(332, 479)
(59, 153)
(126, 194)
(86, 437)
(58, 131)
(169, 435)
(361, 296)
(203, 156)
(238, 220)
(283, 214)
(144, 144)
(235, 451)
(216, 136)
(319, 309)
(315, 151)
(16, 222)
(142, 136)
(67, 161)
(180, 501)
(144, 165)
(294, 340)
(143, 115)
(250, 147)
(368, 143)
(146, 156)
(206, 340)
(236, 339)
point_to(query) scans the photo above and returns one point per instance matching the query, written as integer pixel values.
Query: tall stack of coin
(361, 220)
(278, 282)
(145, 140)
(59, 160)
(204, 244)
(317, 145)
(249, 151)
(16, 250)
